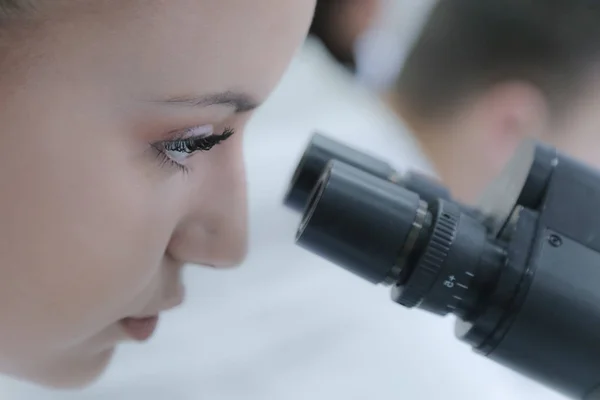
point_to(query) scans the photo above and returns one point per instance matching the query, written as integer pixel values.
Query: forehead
(181, 45)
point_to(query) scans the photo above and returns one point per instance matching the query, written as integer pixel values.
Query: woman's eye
(177, 156)
(176, 152)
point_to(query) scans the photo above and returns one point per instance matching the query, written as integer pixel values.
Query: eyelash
(189, 145)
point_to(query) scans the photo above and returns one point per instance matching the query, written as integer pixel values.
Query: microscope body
(521, 271)
(542, 318)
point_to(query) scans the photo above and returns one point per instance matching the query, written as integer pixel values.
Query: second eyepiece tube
(361, 222)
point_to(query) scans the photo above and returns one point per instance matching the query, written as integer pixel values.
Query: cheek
(84, 230)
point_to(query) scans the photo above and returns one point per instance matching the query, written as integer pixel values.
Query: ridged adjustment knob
(431, 261)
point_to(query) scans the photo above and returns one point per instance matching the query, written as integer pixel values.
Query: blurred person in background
(289, 325)
(485, 74)
(339, 24)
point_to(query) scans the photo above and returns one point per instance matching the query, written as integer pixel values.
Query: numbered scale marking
(457, 283)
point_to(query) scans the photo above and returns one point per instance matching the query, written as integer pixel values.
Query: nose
(213, 231)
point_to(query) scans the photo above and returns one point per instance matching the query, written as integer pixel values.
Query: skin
(577, 133)
(472, 144)
(95, 227)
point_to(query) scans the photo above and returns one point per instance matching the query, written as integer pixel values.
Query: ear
(508, 113)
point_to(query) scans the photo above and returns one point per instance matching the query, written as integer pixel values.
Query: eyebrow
(241, 102)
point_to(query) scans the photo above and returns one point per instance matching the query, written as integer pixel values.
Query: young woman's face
(101, 201)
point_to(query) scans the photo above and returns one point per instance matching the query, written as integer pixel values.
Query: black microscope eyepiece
(363, 223)
(314, 160)
(520, 272)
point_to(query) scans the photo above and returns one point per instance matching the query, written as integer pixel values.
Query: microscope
(520, 271)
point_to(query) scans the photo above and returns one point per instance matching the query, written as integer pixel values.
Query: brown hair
(468, 45)
(8, 7)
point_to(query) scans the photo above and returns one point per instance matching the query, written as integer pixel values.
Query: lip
(140, 329)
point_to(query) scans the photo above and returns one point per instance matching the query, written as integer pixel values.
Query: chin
(70, 373)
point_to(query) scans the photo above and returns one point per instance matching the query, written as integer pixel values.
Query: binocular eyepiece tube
(322, 149)
(356, 219)
(503, 269)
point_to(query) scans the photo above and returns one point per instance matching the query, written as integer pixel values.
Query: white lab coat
(382, 49)
(287, 325)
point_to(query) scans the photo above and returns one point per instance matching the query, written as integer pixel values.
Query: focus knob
(434, 255)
